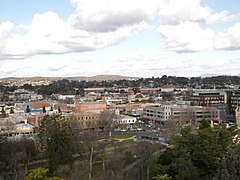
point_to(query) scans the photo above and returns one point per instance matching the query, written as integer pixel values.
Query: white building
(24, 128)
(181, 113)
(126, 120)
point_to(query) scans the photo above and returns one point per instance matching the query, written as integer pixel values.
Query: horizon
(140, 38)
(109, 75)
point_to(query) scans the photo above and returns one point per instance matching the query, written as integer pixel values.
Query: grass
(128, 141)
(123, 136)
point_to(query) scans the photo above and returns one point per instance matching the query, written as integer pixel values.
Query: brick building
(90, 106)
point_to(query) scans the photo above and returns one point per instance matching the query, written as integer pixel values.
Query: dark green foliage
(230, 169)
(128, 158)
(16, 153)
(65, 86)
(204, 124)
(59, 110)
(11, 111)
(40, 174)
(56, 136)
(196, 155)
(3, 112)
(44, 109)
(28, 109)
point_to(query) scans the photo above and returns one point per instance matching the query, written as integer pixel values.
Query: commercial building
(234, 101)
(150, 90)
(182, 114)
(207, 98)
(90, 106)
(85, 120)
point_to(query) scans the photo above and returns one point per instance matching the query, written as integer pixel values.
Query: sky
(138, 38)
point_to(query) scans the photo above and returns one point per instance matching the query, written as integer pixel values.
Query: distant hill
(208, 75)
(77, 78)
(102, 78)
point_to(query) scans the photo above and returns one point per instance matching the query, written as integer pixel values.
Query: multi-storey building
(150, 90)
(85, 120)
(90, 106)
(234, 99)
(207, 98)
(184, 114)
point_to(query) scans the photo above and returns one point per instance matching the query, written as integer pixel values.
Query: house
(24, 128)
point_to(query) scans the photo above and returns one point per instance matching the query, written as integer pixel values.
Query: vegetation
(198, 155)
(15, 157)
(57, 138)
(69, 87)
(40, 174)
(71, 152)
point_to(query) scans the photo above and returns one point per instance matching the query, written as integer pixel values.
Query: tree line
(68, 86)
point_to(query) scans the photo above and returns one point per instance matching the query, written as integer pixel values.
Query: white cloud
(187, 37)
(230, 39)
(109, 15)
(175, 12)
(5, 28)
(102, 23)
(90, 28)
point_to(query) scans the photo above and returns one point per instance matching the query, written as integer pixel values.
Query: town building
(234, 100)
(125, 120)
(208, 98)
(90, 106)
(24, 128)
(182, 114)
(150, 90)
(170, 88)
(84, 120)
(94, 90)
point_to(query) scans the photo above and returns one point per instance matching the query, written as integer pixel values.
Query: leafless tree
(107, 121)
(19, 154)
(88, 143)
(144, 153)
(171, 128)
(9, 126)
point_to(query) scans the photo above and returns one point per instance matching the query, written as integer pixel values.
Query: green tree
(40, 174)
(11, 111)
(162, 177)
(196, 155)
(230, 169)
(57, 137)
(44, 109)
(3, 112)
(28, 109)
(139, 96)
(59, 110)
(204, 124)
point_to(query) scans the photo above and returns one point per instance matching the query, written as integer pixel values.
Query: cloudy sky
(142, 38)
